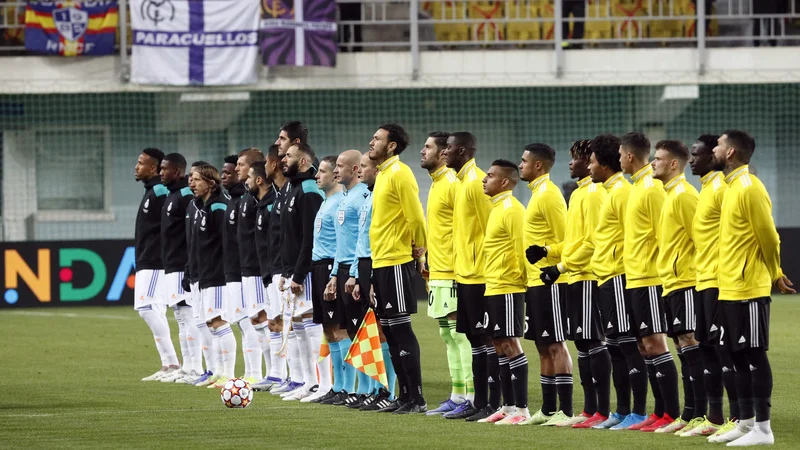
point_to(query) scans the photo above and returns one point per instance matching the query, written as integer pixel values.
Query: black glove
(186, 285)
(266, 280)
(549, 275)
(534, 253)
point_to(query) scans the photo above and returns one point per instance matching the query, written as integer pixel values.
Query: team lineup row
(293, 248)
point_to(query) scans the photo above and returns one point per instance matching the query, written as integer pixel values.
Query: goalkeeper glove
(550, 274)
(534, 253)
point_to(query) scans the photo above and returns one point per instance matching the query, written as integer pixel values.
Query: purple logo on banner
(298, 33)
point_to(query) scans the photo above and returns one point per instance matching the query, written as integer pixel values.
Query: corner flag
(365, 353)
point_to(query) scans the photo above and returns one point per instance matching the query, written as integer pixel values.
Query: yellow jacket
(608, 238)
(441, 200)
(505, 254)
(545, 222)
(641, 228)
(470, 215)
(749, 246)
(706, 229)
(397, 217)
(675, 236)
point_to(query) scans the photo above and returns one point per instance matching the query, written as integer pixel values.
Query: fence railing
(414, 25)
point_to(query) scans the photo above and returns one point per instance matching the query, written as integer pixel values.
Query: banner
(71, 28)
(52, 273)
(194, 42)
(298, 32)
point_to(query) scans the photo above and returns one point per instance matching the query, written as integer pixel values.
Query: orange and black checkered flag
(365, 353)
(324, 349)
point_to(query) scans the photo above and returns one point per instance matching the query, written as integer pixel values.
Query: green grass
(71, 379)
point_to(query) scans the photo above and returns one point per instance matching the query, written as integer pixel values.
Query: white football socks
(308, 366)
(182, 339)
(251, 349)
(157, 321)
(263, 335)
(227, 350)
(206, 345)
(293, 357)
(278, 357)
(193, 351)
(322, 369)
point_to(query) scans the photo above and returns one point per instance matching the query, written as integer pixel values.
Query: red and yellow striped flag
(324, 349)
(365, 353)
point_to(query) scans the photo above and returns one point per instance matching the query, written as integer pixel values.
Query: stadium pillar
(558, 38)
(413, 34)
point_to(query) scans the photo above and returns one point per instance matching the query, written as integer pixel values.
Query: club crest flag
(71, 28)
(194, 42)
(365, 353)
(298, 32)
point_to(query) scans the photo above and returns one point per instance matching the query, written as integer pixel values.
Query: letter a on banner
(193, 42)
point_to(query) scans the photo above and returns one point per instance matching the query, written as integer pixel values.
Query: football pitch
(71, 379)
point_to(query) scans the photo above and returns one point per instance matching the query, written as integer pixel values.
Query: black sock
(621, 378)
(712, 378)
(600, 361)
(519, 378)
(637, 373)
(397, 362)
(505, 381)
(729, 379)
(549, 394)
(564, 389)
(658, 407)
(744, 385)
(480, 375)
(694, 358)
(408, 351)
(585, 373)
(667, 376)
(688, 396)
(761, 373)
(493, 368)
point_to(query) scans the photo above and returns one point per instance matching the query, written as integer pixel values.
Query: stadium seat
(629, 24)
(488, 11)
(450, 11)
(666, 28)
(523, 31)
(690, 25)
(12, 15)
(547, 11)
(597, 30)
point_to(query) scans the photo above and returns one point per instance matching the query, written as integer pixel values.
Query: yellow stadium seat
(547, 11)
(523, 31)
(629, 25)
(450, 11)
(690, 25)
(666, 28)
(491, 29)
(601, 29)
(13, 15)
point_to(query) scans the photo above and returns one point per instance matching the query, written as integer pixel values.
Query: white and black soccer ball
(236, 393)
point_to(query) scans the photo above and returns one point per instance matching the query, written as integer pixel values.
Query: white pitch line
(70, 315)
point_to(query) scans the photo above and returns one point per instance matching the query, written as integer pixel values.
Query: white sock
(764, 427)
(322, 369)
(227, 351)
(185, 359)
(206, 345)
(158, 324)
(293, 357)
(746, 424)
(193, 351)
(262, 336)
(251, 349)
(216, 354)
(278, 358)
(308, 366)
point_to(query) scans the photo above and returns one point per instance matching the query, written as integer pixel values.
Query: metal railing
(414, 25)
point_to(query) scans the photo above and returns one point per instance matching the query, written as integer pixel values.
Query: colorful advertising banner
(53, 273)
(298, 32)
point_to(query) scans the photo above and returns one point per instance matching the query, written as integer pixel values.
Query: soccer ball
(236, 393)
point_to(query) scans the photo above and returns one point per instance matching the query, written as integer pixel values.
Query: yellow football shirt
(441, 200)
(545, 222)
(505, 254)
(675, 261)
(609, 236)
(706, 229)
(470, 214)
(641, 228)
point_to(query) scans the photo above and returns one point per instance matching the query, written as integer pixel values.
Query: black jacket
(264, 206)
(230, 244)
(192, 215)
(173, 226)
(208, 241)
(276, 266)
(148, 226)
(297, 225)
(246, 231)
